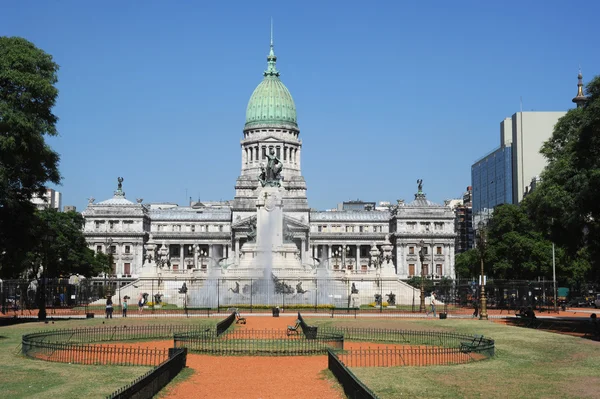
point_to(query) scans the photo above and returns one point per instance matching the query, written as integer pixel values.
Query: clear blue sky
(386, 91)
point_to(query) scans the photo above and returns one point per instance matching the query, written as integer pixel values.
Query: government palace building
(205, 235)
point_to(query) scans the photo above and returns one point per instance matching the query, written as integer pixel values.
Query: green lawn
(23, 377)
(528, 364)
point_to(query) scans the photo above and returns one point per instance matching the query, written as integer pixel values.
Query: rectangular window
(113, 249)
(411, 225)
(320, 229)
(264, 152)
(127, 268)
(411, 269)
(438, 269)
(97, 225)
(114, 268)
(361, 229)
(98, 248)
(193, 228)
(175, 267)
(278, 153)
(111, 225)
(439, 250)
(425, 269)
(411, 250)
(425, 250)
(127, 250)
(285, 153)
(221, 228)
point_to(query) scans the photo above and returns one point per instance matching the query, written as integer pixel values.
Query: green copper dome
(271, 103)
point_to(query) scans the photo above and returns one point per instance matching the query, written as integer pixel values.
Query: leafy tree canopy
(62, 247)
(27, 95)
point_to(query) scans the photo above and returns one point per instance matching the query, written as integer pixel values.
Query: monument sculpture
(270, 175)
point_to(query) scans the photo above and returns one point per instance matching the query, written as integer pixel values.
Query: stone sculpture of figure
(235, 290)
(353, 290)
(420, 184)
(252, 233)
(183, 289)
(262, 177)
(377, 299)
(120, 180)
(299, 288)
(391, 298)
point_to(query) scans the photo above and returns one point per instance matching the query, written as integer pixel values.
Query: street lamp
(109, 252)
(203, 255)
(190, 262)
(483, 315)
(337, 254)
(47, 239)
(422, 258)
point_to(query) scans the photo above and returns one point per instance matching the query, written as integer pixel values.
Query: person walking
(125, 306)
(432, 304)
(475, 308)
(140, 303)
(109, 307)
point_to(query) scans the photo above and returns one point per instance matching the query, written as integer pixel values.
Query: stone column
(182, 256)
(196, 250)
(358, 257)
(344, 256)
(237, 251)
(328, 253)
(298, 160)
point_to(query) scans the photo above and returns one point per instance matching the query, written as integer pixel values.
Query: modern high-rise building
(505, 175)
(50, 199)
(529, 132)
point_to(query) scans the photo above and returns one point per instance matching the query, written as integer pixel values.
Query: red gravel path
(256, 377)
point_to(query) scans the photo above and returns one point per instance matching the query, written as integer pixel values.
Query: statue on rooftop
(420, 185)
(120, 185)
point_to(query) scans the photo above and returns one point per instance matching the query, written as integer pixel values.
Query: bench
(239, 319)
(293, 329)
(470, 346)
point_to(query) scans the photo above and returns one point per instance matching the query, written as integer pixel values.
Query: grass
(528, 364)
(23, 377)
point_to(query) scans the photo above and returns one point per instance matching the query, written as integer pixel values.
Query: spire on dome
(580, 99)
(271, 59)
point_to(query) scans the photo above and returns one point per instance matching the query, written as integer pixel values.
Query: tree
(467, 264)
(27, 95)
(68, 254)
(566, 205)
(514, 248)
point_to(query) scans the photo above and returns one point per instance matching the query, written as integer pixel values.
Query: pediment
(246, 222)
(295, 224)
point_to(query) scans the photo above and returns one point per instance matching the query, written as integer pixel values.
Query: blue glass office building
(491, 177)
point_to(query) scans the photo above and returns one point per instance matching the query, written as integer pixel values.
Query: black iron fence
(94, 354)
(148, 385)
(114, 333)
(258, 343)
(353, 387)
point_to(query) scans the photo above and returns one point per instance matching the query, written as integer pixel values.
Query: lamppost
(190, 262)
(422, 259)
(337, 255)
(109, 252)
(47, 239)
(203, 255)
(483, 315)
